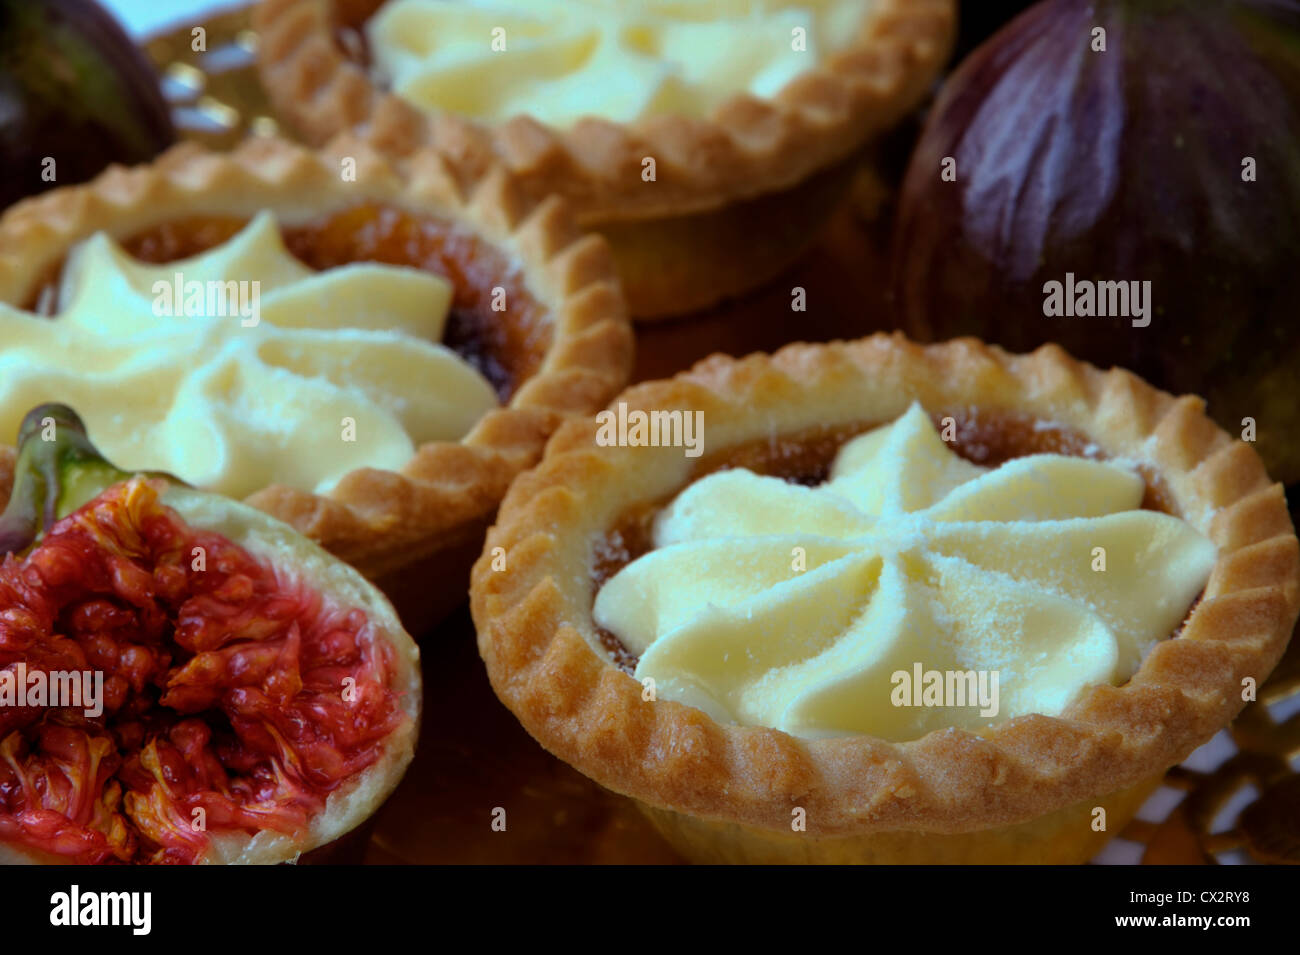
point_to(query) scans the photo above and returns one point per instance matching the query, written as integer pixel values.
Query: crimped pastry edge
(749, 146)
(536, 636)
(377, 520)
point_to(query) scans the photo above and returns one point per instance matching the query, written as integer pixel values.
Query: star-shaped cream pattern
(234, 406)
(768, 603)
(559, 60)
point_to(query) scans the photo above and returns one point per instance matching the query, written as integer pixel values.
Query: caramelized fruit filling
(225, 689)
(504, 346)
(981, 437)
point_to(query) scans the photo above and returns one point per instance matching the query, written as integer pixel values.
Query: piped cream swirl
(772, 604)
(338, 370)
(560, 60)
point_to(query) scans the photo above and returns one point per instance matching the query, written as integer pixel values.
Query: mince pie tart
(369, 352)
(707, 141)
(899, 604)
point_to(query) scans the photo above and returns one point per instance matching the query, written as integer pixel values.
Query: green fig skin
(1124, 165)
(74, 88)
(57, 471)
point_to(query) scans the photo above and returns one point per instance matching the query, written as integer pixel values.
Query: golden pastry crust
(380, 521)
(545, 661)
(749, 146)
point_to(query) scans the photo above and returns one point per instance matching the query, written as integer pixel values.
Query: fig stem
(58, 469)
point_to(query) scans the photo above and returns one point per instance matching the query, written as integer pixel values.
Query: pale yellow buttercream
(559, 60)
(772, 604)
(337, 370)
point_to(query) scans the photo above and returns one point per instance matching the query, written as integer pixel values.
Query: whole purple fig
(1123, 177)
(75, 95)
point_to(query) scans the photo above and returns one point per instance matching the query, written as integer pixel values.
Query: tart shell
(383, 522)
(748, 147)
(1064, 837)
(546, 663)
(746, 176)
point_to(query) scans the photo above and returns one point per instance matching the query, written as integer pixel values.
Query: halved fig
(258, 698)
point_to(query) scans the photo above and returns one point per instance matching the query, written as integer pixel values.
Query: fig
(183, 679)
(74, 90)
(1094, 146)
(980, 20)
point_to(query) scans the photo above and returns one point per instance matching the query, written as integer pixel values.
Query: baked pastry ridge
(724, 791)
(530, 293)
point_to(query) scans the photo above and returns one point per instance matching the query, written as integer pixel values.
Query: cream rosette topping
(241, 367)
(559, 60)
(805, 609)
